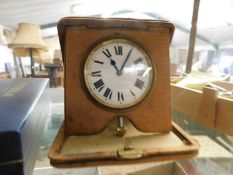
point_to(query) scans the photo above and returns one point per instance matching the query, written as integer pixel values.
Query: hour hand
(109, 55)
(113, 63)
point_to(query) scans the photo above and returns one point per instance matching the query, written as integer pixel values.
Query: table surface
(216, 149)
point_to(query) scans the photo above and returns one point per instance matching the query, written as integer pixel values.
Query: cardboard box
(70, 171)
(163, 169)
(211, 106)
(24, 107)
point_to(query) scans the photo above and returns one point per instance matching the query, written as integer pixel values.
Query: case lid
(109, 23)
(107, 149)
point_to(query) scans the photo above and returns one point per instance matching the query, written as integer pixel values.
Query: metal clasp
(129, 153)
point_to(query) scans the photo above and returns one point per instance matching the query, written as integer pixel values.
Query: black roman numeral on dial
(118, 50)
(141, 72)
(139, 84)
(120, 96)
(108, 93)
(99, 84)
(99, 62)
(96, 74)
(132, 93)
(107, 53)
(138, 61)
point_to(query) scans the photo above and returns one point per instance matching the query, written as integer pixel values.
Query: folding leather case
(24, 107)
(88, 136)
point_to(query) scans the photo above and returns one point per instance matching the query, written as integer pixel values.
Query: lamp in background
(42, 57)
(57, 54)
(28, 42)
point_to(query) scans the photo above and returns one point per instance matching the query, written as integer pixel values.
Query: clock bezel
(87, 89)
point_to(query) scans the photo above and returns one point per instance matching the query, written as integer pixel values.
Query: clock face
(118, 73)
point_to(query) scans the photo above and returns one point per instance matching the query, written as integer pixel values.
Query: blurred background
(29, 47)
(213, 51)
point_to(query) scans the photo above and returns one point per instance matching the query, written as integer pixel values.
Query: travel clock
(116, 68)
(117, 94)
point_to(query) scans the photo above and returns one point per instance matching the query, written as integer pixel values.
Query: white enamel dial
(118, 73)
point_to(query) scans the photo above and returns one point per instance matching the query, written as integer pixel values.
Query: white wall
(6, 55)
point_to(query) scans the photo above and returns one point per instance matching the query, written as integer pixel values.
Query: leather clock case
(88, 136)
(77, 36)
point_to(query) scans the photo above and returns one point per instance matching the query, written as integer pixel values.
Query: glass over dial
(118, 73)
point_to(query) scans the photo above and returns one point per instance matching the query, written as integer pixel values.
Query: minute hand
(127, 58)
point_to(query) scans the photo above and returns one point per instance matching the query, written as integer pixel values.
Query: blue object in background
(24, 108)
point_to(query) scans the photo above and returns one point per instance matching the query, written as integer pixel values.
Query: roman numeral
(108, 93)
(99, 84)
(139, 84)
(141, 72)
(120, 96)
(138, 61)
(118, 50)
(99, 62)
(107, 53)
(132, 93)
(96, 74)
(100, 89)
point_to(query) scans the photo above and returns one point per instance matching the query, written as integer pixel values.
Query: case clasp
(129, 153)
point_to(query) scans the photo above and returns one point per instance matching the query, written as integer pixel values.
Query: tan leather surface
(107, 141)
(102, 149)
(82, 115)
